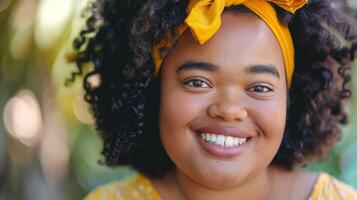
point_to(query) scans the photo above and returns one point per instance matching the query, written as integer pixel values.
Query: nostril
(227, 112)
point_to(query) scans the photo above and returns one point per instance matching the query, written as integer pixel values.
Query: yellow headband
(204, 19)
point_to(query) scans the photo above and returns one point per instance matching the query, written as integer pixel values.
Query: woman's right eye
(198, 83)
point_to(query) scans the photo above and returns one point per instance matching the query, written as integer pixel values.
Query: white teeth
(242, 140)
(229, 141)
(213, 138)
(222, 140)
(236, 141)
(207, 137)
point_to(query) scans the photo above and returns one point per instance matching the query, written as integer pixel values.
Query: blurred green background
(48, 147)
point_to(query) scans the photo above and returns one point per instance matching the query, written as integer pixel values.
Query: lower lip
(220, 151)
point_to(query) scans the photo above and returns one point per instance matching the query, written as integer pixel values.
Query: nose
(227, 110)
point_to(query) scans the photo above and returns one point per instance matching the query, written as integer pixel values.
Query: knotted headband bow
(204, 19)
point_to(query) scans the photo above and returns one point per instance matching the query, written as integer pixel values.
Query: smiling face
(234, 89)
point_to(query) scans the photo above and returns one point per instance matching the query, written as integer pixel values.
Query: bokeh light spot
(22, 117)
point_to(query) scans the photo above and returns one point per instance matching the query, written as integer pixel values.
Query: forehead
(242, 39)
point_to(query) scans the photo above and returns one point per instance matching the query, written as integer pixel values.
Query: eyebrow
(262, 69)
(193, 65)
(209, 67)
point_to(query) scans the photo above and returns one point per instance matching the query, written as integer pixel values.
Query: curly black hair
(118, 39)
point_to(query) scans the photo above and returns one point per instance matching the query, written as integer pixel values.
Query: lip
(223, 130)
(219, 151)
(222, 152)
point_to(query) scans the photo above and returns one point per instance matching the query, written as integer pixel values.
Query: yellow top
(327, 187)
(140, 188)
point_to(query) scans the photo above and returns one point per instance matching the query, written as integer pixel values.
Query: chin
(221, 177)
(222, 182)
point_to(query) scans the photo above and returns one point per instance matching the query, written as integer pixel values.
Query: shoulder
(133, 187)
(328, 187)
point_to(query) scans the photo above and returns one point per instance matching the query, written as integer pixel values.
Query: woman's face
(223, 104)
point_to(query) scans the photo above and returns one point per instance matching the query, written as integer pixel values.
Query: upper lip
(224, 130)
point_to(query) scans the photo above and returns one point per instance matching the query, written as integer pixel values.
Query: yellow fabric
(204, 19)
(133, 188)
(140, 188)
(328, 187)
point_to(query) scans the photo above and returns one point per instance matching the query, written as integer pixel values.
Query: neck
(258, 187)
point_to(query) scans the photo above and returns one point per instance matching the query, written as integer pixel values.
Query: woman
(218, 99)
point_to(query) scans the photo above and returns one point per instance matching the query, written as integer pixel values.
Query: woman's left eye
(197, 83)
(260, 89)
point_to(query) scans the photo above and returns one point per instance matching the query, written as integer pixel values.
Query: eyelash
(266, 88)
(187, 82)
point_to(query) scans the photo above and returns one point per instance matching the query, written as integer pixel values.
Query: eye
(260, 89)
(198, 83)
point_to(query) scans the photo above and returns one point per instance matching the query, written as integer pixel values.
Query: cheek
(270, 118)
(273, 117)
(177, 110)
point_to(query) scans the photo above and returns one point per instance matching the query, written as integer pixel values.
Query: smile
(222, 140)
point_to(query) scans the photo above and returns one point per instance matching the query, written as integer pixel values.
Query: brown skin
(231, 95)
